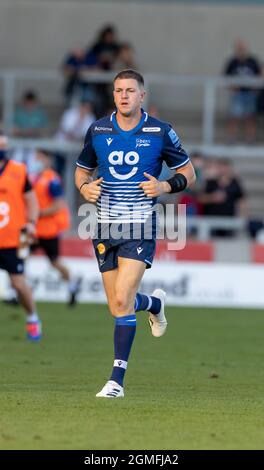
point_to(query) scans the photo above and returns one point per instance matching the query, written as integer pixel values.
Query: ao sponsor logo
(119, 158)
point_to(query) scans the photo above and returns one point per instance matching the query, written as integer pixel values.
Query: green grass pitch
(201, 386)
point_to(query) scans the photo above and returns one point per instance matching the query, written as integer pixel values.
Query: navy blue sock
(125, 330)
(147, 302)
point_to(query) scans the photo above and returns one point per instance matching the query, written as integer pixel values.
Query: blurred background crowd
(228, 184)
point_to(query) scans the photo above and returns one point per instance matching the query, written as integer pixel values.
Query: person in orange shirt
(18, 211)
(54, 217)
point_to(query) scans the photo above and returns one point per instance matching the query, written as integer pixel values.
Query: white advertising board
(194, 284)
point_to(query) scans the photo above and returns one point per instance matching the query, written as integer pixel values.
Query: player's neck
(126, 123)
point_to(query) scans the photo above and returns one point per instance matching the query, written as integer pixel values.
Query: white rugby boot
(111, 390)
(158, 323)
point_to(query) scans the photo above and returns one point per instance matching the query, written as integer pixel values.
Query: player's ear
(143, 94)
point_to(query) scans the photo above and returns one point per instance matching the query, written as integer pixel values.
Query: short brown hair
(129, 73)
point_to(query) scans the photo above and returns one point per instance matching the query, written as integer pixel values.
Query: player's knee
(122, 303)
(112, 308)
(17, 283)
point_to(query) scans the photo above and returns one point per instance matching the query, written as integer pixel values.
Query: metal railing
(202, 225)
(72, 150)
(209, 87)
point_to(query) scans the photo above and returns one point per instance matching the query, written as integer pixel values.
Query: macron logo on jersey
(109, 141)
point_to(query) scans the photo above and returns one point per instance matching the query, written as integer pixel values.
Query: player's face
(128, 96)
(3, 142)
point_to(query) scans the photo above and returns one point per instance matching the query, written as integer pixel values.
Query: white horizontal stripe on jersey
(124, 191)
(121, 182)
(126, 219)
(85, 167)
(181, 164)
(116, 188)
(127, 202)
(123, 221)
(126, 216)
(123, 202)
(117, 212)
(127, 199)
(125, 210)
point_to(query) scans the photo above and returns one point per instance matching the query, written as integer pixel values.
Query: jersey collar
(143, 119)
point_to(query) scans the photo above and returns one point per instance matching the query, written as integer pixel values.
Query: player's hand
(154, 187)
(31, 230)
(30, 234)
(92, 191)
(218, 196)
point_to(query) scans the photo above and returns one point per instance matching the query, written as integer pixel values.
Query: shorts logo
(101, 248)
(139, 250)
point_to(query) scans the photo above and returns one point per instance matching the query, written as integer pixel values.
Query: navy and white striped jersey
(122, 157)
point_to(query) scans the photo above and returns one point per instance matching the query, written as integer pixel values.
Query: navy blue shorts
(50, 246)
(108, 251)
(10, 262)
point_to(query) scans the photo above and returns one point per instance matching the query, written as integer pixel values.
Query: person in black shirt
(223, 195)
(243, 102)
(75, 88)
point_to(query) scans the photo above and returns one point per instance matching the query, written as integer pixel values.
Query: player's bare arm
(88, 188)
(57, 204)
(189, 173)
(32, 210)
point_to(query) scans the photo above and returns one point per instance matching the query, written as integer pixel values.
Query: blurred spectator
(73, 127)
(105, 50)
(260, 98)
(125, 58)
(77, 61)
(243, 99)
(75, 122)
(256, 229)
(190, 196)
(106, 47)
(153, 110)
(30, 119)
(223, 195)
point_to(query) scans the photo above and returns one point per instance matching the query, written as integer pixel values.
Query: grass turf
(198, 387)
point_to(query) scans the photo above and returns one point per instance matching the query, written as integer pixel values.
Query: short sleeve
(55, 188)
(238, 190)
(172, 152)
(27, 185)
(229, 67)
(87, 158)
